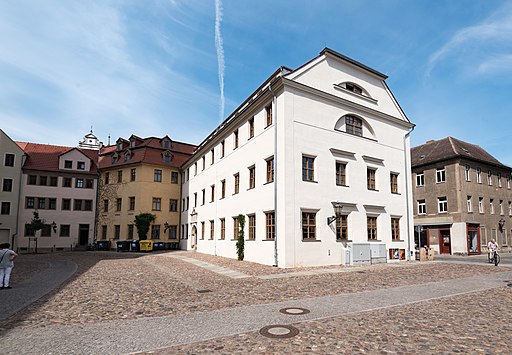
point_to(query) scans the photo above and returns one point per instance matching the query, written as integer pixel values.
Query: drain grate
(294, 311)
(279, 331)
(203, 291)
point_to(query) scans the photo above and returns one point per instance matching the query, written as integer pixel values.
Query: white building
(329, 131)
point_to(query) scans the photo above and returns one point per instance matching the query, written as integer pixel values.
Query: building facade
(12, 158)
(140, 175)
(60, 183)
(462, 196)
(316, 160)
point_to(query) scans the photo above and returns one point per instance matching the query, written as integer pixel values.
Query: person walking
(6, 264)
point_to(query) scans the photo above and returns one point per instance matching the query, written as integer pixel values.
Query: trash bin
(158, 245)
(123, 245)
(167, 246)
(135, 245)
(175, 246)
(146, 245)
(103, 245)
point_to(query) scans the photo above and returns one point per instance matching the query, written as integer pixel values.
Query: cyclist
(492, 246)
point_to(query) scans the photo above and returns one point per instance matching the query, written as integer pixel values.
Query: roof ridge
(453, 145)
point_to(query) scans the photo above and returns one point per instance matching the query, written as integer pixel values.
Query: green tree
(142, 222)
(240, 246)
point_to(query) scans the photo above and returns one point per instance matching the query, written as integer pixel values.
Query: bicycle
(494, 257)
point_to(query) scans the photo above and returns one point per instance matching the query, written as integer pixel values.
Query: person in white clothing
(6, 264)
(492, 246)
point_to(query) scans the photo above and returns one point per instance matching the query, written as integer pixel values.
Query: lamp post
(337, 212)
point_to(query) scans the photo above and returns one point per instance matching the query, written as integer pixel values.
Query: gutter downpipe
(15, 235)
(274, 118)
(407, 175)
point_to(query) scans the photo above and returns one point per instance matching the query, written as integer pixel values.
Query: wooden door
(445, 246)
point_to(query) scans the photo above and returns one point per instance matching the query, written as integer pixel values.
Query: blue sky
(152, 67)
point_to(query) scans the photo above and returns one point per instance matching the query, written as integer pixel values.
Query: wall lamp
(337, 212)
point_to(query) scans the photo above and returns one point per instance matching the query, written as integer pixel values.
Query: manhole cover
(294, 311)
(204, 291)
(279, 331)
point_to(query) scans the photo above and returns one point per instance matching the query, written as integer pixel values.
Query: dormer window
(167, 157)
(166, 144)
(127, 156)
(354, 125)
(354, 88)
(115, 158)
(132, 143)
(119, 146)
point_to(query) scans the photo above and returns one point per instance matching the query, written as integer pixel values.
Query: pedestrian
(6, 264)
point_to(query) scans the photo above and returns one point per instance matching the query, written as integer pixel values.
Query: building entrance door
(83, 234)
(473, 239)
(445, 245)
(194, 237)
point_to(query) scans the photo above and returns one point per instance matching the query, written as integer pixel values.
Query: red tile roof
(45, 157)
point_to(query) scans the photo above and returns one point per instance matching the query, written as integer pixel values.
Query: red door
(445, 246)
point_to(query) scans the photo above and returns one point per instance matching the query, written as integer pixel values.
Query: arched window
(354, 125)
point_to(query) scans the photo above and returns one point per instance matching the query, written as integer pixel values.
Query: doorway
(473, 239)
(194, 237)
(83, 234)
(445, 245)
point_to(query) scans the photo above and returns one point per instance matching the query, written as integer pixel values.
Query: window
(130, 232)
(173, 205)
(131, 203)
(204, 196)
(508, 181)
(270, 225)
(236, 227)
(420, 179)
(308, 225)
(251, 127)
(79, 183)
(68, 164)
(237, 183)
(54, 180)
(46, 231)
(195, 199)
(370, 178)
(481, 204)
(440, 175)
(156, 205)
(509, 208)
(371, 223)
(114, 158)
(119, 176)
(235, 139)
(133, 173)
(32, 180)
(422, 207)
(7, 185)
(252, 227)
(89, 183)
(29, 231)
(308, 168)
(222, 229)
(183, 204)
(394, 183)
(103, 232)
(222, 150)
(212, 154)
(354, 125)
(341, 177)
(29, 202)
(212, 193)
(395, 228)
(43, 180)
(270, 169)
(64, 230)
(195, 168)
(501, 207)
(80, 165)
(87, 205)
(155, 231)
(223, 189)
(105, 205)
(268, 115)
(157, 176)
(354, 88)
(202, 230)
(66, 204)
(166, 144)
(167, 157)
(119, 203)
(491, 206)
(66, 182)
(5, 208)
(204, 162)
(41, 203)
(499, 180)
(212, 229)
(342, 228)
(479, 175)
(117, 231)
(469, 204)
(127, 156)
(252, 177)
(107, 178)
(489, 178)
(52, 203)
(9, 159)
(174, 177)
(442, 205)
(77, 206)
(173, 232)
(466, 173)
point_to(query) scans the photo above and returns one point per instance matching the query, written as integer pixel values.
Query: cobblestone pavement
(120, 286)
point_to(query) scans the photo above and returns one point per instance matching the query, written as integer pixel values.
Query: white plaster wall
(458, 238)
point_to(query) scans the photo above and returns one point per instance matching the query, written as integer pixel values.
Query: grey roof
(449, 148)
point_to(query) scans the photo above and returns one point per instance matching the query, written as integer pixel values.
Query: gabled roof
(45, 157)
(450, 148)
(147, 150)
